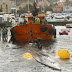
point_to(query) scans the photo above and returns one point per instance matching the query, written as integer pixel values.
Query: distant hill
(34, 0)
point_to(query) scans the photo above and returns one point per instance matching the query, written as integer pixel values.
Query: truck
(4, 20)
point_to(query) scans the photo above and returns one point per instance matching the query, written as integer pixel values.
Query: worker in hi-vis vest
(4, 34)
(37, 20)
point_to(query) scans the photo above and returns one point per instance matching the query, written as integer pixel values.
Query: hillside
(21, 1)
(51, 1)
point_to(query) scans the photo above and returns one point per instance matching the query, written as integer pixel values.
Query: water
(11, 59)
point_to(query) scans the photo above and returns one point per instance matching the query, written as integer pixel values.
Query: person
(4, 35)
(14, 17)
(37, 20)
(12, 34)
(45, 21)
(68, 17)
(25, 21)
(52, 16)
(39, 42)
(10, 20)
(9, 35)
(6, 30)
(41, 21)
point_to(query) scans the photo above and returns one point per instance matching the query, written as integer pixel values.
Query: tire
(44, 28)
(40, 46)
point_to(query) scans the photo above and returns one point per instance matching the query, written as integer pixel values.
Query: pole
(42, 6)
(15, 5)
(35, 0)
(28, 6)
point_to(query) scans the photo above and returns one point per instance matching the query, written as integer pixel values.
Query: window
(42, 17)
(6, 6)
(1, 5)
(30, 18)
(13, 10)
(3, 1)
(0, 18)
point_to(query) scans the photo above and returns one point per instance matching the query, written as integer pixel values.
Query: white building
(13, 9)
(62, 0)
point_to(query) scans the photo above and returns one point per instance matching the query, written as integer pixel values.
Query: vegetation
(25, 9)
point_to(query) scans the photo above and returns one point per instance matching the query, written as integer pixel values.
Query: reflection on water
(12, 61)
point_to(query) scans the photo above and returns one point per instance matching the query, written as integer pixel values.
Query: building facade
(5, 5)
(58, 8)
(62, 0)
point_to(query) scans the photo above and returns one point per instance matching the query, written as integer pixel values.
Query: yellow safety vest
(37, 20)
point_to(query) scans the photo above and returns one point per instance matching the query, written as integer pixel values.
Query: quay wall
(61, 23)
